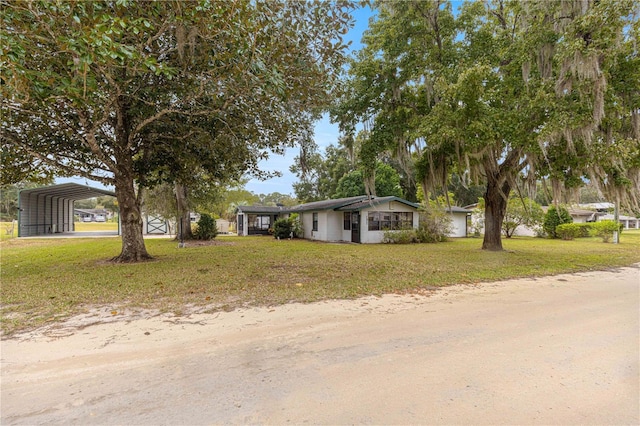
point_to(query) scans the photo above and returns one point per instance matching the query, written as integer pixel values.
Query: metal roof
(456, 209)
(340, 204)
(262, 209)
(374, 201)
(69, 191)
(329, 204)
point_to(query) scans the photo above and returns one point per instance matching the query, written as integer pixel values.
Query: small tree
(521, 211)
(553, 218)
(207, 229)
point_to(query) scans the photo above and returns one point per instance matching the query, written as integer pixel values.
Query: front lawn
(51, 279)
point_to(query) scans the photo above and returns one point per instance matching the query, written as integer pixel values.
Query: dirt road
(558, 350)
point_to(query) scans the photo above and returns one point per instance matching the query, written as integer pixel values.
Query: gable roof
(374, 201)
(456, 209)
(262, 209)
(339, 204)
(328, 204)
(69, 191)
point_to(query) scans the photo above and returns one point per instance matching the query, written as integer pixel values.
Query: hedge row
(603, 229)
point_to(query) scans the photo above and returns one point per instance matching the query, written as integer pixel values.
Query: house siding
(376, 237)
(330, 218)
(458, 225)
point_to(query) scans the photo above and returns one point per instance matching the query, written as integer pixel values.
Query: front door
(355, 227)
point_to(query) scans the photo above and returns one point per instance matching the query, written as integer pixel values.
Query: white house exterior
(356, 219)
(359, 219)
(628, 222)
(458, 221)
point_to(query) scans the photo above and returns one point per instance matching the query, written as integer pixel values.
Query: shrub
(287, 227)
(585, 229)
(605, 229)
(207, 229)
(553, 218)
(402, 236)
(282, 228)
(434, 227)
(568, 231)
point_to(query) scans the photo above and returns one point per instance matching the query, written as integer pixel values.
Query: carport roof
(69, 191)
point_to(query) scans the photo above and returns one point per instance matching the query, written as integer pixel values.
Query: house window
(382, 221)
(347, 221)
(240, 223)
(315, 221)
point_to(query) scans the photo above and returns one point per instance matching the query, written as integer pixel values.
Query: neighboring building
(50, 209)
(223, 226)
(599, 207)
(459, 221)
(628, 222)
(582, 215)
(92, 215)
(355, 219)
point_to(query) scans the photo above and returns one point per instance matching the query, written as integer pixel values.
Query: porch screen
(259, 222)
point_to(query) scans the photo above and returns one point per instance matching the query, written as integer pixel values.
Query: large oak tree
(109, 90)
(500, 90)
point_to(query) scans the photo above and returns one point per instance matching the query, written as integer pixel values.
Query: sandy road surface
(558, 350)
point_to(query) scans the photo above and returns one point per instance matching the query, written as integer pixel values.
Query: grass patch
(51, 279)
(9, 230)
(95, 226)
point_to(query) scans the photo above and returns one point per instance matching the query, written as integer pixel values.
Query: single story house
(92, 215)
(359, 219)
(582, 215)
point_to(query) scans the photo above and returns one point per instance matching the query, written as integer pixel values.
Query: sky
(326, 134)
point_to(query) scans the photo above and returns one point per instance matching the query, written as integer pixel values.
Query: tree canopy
(500, 90)
(132, 93)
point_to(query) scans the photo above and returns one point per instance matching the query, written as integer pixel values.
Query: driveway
(555, 350)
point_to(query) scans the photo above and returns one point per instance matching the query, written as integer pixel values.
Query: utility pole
(616, 219)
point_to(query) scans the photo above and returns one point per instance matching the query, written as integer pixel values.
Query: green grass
(8, 230)
(95, 226)
(51, 279)
(6, 227)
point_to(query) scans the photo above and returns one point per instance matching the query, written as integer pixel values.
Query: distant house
(628, 222)
(92, 215)
(359, 219)
(582, 215)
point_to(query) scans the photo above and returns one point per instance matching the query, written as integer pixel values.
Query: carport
(49, 209)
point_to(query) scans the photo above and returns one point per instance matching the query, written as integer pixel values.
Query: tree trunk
(133, 248)
(184, 213)
(495, 208)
